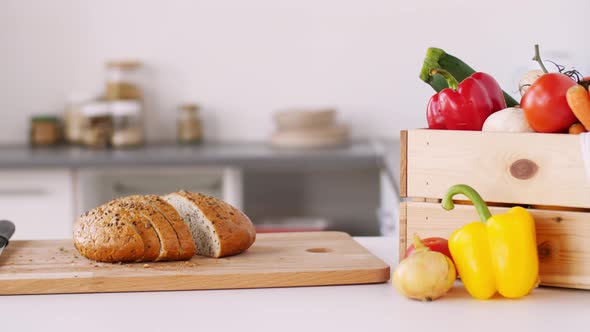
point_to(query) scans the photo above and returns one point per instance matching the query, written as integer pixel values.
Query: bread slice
(218, 229)
(105, 234)
(143, 226)
(180, 228)
(156, 223)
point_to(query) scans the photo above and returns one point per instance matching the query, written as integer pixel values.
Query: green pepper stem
(537, 58)
(478, 202)
(451, 80)
(432, 60)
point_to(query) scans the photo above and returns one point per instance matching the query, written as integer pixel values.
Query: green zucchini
(437, 58)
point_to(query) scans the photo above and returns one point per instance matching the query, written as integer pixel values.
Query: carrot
(577, 128)
(579, 101)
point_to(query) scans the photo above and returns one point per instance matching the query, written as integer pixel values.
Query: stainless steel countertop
(245, 155)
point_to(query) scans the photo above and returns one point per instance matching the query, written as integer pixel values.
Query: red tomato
(437, 244)
(545, 106)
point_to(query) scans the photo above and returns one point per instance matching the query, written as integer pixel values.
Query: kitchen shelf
(243, 155)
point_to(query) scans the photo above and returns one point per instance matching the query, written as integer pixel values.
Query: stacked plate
(308, 129)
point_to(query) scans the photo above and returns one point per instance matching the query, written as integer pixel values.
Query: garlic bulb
(528, 79)
(508, 120)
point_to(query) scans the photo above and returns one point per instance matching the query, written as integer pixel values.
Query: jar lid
(95, 109)
(45, 118)
(124, 64)
(125, 108)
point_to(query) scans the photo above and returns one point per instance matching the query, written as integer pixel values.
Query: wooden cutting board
(275, 260)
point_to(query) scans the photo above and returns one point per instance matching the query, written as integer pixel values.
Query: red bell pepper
(464, 106)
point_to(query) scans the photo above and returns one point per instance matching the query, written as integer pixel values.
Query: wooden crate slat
(403, 185)
(541, 169)
(563, 237)
(403, 227)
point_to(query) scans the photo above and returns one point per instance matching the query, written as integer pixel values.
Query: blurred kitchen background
(109, 98)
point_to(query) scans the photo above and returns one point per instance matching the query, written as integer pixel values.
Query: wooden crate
(543, 172)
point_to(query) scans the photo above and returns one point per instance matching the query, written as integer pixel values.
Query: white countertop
(335, 308)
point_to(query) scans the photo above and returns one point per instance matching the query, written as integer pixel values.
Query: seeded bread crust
(148, 228)
(234, 230)
(104, 234)
(156, 224)
(143, 225)
(182, 232)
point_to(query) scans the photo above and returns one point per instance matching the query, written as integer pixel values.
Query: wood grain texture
(403, 229)
(403, 168)
(562, 238)
(275, 260)
(524, 168)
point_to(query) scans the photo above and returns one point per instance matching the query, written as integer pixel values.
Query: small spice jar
(123, 80)
(45, 131)
(127, 124)
(189, 126)
(98, 125)
(73, 118)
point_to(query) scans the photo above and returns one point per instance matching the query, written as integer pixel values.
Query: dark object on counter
(45, 130)
(189, 127)
(6, 231)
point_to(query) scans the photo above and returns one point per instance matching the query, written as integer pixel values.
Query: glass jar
(73, 118)
(45, 131)
(127, 124)
(189, 127)
(98, 125)
(123, 80)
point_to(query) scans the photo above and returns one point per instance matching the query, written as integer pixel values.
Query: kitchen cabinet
(97, 186)
(43, 204)
(40, 202)
(44, 190)
(343, 200)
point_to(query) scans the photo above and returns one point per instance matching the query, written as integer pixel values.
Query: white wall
(244, 59)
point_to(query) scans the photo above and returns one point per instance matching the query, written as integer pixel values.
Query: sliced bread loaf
(218, 229)
(151, 228)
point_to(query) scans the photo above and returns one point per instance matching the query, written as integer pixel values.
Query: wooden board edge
(403, 229)
(403, 170)
(378, 274)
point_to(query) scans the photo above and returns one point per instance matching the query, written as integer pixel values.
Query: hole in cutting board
(319, 250)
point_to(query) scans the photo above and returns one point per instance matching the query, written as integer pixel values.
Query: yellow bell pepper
(497, 254)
